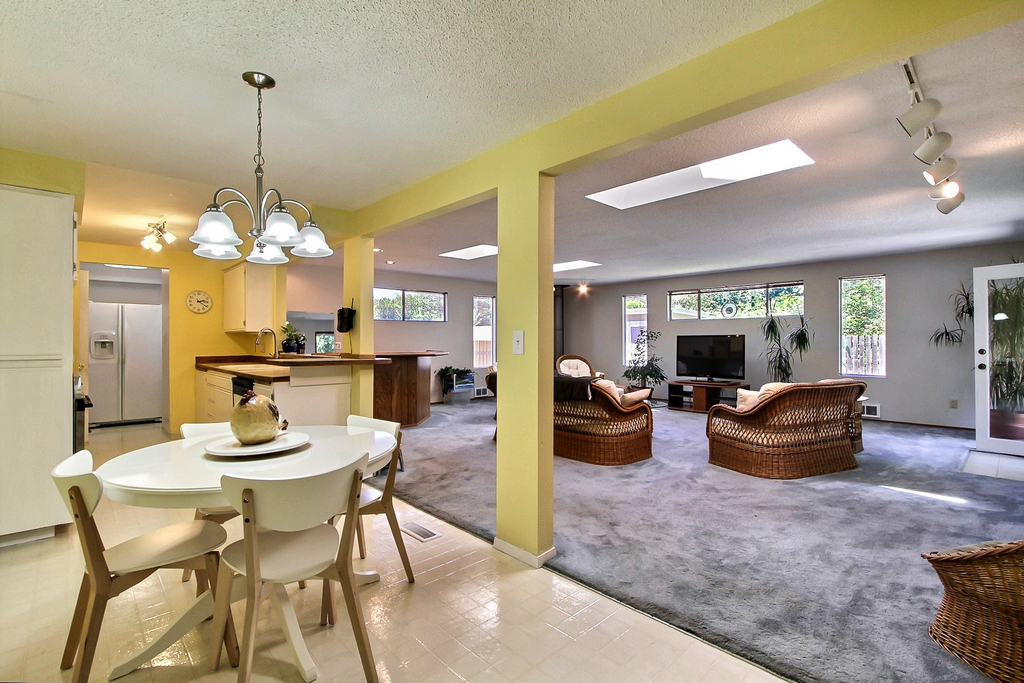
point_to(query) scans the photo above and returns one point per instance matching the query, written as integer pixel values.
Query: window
(682, 305)
(400, 304)
(484, 331)
(862, 312)
(634, 321)
(753, 301)
(324, 342)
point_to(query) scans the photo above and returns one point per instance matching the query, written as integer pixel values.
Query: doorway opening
(124, 318)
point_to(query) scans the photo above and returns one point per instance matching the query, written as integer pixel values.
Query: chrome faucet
(259, 337)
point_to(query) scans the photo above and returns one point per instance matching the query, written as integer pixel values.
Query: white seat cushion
(287, 556)
(165, 546)
(575, 368)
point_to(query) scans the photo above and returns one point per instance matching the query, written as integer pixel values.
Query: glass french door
(999, 358)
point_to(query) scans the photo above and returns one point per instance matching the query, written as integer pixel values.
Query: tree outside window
(862, 316)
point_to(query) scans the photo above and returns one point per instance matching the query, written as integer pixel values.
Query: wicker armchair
(601, 431)
(981, 618)
(801, 430)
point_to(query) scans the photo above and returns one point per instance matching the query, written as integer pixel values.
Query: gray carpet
(818, 579)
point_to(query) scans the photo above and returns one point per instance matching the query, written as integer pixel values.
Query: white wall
(454, 336)
(921, 379)
(318, 289)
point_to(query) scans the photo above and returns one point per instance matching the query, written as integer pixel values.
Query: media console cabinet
(697, 396)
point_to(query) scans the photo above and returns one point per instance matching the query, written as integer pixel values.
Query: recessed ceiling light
(753, 163)
(118, 265)
(390, 263)
(470, 253)
(574, 265)
(378, 249)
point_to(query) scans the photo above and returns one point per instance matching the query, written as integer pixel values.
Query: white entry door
(999, 358)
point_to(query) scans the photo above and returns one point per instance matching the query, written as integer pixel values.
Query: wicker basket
(981, 618)
(801, 430)
(601, 431)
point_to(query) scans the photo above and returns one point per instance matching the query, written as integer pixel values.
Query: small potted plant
(292, 337)
(456, 383)
(644, 368)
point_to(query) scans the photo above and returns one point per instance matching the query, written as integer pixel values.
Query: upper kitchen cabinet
(248, 298)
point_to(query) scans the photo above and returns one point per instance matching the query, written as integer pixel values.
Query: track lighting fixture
(945, 190)
(941, 170)
(947, 205)
(934, 147)
(921, 114)
(156, 232)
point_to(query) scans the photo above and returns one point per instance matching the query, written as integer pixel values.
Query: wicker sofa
(800, 430)
(981, 618)
(602, 431)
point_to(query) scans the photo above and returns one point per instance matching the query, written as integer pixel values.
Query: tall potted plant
(1006, 351)
(782, 345)
(644, 368)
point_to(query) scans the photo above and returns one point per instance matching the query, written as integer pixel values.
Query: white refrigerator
(125, 362)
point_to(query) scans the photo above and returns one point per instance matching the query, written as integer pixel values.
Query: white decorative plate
(229, 446)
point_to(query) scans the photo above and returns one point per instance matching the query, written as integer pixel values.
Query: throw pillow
(746, 399)
(607, 385)
(634, 397)
(772, 387)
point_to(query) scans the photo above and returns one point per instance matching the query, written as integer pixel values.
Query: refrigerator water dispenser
(102, 346)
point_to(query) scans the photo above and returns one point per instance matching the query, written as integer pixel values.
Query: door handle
(982, 366)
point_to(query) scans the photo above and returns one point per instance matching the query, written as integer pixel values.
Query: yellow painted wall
(24, 169)
(190, 334)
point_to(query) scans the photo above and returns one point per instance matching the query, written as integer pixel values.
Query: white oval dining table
(181, 474)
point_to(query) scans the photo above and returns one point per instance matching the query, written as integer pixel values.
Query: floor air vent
(871, 410)
(420, 533)
(480, 392)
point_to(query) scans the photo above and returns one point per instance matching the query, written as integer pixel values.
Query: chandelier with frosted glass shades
(273, 226)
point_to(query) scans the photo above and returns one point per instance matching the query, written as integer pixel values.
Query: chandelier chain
(258, 157)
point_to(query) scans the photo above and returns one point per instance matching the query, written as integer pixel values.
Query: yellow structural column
(358, 286)
(525, 483)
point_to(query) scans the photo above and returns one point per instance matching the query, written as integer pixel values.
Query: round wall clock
(199, 301)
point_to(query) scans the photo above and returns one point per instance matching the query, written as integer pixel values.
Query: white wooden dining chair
(286, 540)
(373, 502)
(218, 515)
(111, 571)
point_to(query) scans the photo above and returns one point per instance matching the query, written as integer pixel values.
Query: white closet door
(36, 230)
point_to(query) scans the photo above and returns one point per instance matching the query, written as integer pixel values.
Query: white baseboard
(27, 536)
(535, 561)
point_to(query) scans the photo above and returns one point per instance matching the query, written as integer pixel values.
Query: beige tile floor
(473, 614)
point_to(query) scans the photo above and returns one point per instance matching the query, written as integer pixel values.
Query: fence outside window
(862, 320)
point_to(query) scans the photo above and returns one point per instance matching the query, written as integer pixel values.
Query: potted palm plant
(782, 345)
(644, 368)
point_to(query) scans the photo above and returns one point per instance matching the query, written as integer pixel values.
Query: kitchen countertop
(268, 369)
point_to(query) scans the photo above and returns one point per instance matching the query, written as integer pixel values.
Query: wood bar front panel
(401, 390)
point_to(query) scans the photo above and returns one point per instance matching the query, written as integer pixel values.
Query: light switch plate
(518, 342)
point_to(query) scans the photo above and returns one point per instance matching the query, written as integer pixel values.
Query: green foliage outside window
(398, 304)
(748, 303)
(786, 300)
(683, 305)
(863, 305)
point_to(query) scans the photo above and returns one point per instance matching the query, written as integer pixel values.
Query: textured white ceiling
(372, 95)
(864, 195)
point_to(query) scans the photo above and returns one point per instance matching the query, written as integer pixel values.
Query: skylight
(470, 253)
(574, 265)
(753, 163)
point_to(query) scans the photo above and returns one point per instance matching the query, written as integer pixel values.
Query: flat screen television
(710, 356)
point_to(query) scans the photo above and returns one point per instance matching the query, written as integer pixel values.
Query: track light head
(920, 115)
(947, 205)
(945, 190)
(941, 170)
(934, 147)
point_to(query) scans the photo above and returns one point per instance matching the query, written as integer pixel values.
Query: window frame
(885, 326)
(320, 333)
(404, 318)
(627, 345)
(766, 287)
